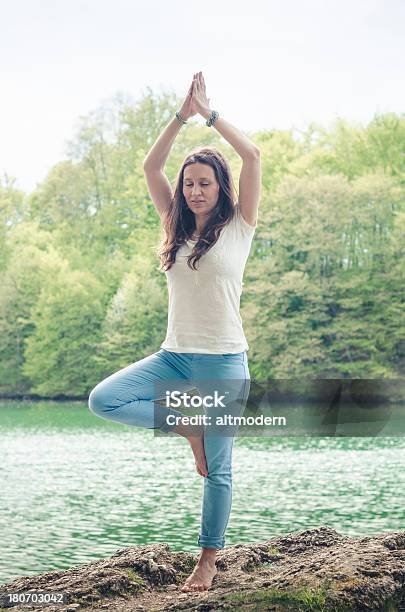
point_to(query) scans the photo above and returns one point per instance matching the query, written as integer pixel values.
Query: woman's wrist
(205, 112)
(181, 115)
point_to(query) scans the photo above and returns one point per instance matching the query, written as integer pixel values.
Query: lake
(77, 487)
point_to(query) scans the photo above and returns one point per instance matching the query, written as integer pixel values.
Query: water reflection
(77, 488)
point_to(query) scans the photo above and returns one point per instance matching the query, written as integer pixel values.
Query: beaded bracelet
(212, 118)
(180, 118)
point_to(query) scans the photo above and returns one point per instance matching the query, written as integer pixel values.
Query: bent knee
(96, 401)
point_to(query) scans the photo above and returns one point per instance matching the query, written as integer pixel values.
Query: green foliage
(353, 150)
(59, 353)
(325, 276)
(82, 295)
(138, 584)
(34, 262)
(135, 322)
(11, 213)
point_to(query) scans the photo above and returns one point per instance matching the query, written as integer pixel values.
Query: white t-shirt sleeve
(245, 227)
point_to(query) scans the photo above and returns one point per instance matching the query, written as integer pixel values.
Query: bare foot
(197, 446)
(201, 577)
(195, 436)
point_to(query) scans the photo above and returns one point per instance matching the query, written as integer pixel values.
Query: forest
(82, 295)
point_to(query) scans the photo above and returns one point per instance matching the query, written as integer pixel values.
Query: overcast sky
(267, 64)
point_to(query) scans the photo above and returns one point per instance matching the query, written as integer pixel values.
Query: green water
(76, 487)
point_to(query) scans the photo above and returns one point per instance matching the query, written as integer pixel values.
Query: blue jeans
(128, 396)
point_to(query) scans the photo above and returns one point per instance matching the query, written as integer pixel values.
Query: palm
(196, 100)
(193, 106)
(199, 100)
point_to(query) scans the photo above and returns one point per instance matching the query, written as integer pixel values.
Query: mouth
(198, 201)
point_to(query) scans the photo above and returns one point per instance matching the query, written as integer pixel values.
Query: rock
(311, 569)
(152, 566)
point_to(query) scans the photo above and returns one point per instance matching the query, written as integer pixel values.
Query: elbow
(146, 164)
(149, 167)
(252, 153)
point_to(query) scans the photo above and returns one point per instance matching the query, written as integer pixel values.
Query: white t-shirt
(203, 314)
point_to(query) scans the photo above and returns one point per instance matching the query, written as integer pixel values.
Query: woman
(207, 243)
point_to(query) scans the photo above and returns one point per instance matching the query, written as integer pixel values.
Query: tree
(135, 324)
(66, 320)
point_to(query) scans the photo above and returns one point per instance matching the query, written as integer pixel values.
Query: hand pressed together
(196, 100)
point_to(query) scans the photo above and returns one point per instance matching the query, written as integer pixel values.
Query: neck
(199, 225)
(200, 221)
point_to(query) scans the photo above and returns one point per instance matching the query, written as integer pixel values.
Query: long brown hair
(179, 222)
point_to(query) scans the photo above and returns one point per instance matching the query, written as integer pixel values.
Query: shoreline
(314, 569)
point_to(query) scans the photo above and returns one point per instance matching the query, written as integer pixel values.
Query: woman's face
(200, 188)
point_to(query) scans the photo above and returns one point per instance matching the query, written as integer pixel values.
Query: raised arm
(250, 176)
(153, 165)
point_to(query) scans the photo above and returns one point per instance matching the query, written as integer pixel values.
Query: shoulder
(241, 221)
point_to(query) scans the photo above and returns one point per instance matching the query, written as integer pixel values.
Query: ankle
(207, 558)
(207, 564)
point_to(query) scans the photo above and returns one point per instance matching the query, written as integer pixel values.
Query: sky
(267, 64)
